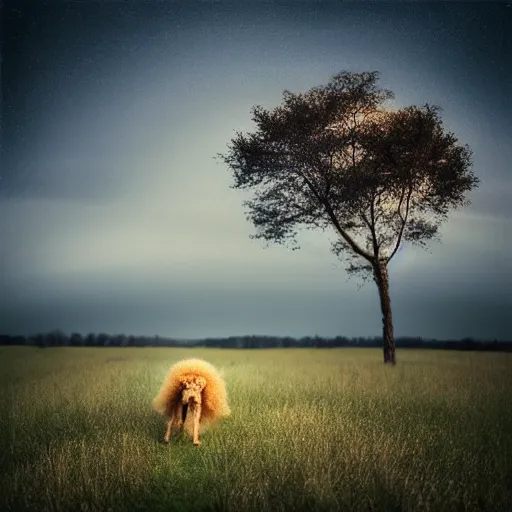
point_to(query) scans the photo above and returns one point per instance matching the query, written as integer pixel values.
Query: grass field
(309, 430)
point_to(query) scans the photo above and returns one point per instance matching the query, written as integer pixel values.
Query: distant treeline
(59, 339)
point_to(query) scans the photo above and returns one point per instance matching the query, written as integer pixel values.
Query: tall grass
(310, 430)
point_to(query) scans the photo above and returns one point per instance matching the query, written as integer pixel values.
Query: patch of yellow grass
(309, 430)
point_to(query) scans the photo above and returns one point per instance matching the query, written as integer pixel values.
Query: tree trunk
(381, 277)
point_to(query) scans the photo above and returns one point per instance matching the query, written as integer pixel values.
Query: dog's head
(191, 389)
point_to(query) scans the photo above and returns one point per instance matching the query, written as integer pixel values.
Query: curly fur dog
(194, 386)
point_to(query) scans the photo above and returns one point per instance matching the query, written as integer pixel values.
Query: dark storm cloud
(185, 313)
(57, 56)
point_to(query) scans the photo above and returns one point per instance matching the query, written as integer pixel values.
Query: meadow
(330, 429)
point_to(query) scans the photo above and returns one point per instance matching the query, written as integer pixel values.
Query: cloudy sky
(115, 217)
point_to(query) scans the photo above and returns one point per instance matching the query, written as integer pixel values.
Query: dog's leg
(197, 418)
(167, 437)
(174, 421)
(178, 414)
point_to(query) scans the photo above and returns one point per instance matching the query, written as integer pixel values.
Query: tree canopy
(339, 157)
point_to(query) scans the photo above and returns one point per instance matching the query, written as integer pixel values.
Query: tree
(90, 340)
(57, 338)
(103, 340)
(338, 158)
(76, 340)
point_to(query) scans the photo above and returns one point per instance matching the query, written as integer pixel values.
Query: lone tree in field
(335, 157)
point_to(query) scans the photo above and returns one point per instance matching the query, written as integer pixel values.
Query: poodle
(192, 385)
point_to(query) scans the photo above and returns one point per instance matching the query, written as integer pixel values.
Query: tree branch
(404, 222)
(372, 228)
(367, 256)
